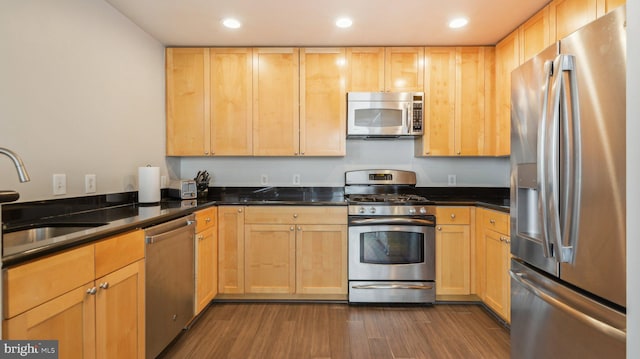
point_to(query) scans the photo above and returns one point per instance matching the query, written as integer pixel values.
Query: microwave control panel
(417, 114)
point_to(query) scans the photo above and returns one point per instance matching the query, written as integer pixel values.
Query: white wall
(361, 154)
(81, 91)
(633, 174)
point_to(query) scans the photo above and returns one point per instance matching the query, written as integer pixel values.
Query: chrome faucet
(22, 171)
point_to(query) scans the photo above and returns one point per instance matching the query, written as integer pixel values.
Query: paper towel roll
(148, 184)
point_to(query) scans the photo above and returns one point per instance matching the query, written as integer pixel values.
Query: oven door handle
(392, 286)
(396, 221)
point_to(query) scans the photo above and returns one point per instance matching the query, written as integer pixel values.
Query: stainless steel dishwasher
(170, 281)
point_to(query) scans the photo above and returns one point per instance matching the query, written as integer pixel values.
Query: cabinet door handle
(200, 237)
(207, 220)
(239, 210)
(439, 228)
(92, 291)
(291, 228)
(104, 285)
(299, 228)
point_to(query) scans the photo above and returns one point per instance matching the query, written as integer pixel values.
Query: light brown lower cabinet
(206, 257)
(102, 317)
(283, 250)
(453, 250)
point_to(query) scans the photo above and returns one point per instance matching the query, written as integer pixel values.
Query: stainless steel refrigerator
(568, 208)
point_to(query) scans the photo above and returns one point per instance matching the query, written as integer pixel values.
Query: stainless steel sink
(36, 234)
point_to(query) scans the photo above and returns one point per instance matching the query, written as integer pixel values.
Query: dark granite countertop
(108, 215)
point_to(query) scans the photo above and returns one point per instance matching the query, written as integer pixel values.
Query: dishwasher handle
(157, 234)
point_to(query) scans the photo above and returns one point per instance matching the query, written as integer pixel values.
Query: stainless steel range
(391, 238)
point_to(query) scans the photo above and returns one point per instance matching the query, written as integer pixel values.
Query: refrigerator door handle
(551, 150)
(546, 294)
(542, 162)
(571, 164)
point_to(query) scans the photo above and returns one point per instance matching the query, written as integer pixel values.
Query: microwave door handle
(406, 118)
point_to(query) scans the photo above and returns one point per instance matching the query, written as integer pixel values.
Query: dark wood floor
(276, 330)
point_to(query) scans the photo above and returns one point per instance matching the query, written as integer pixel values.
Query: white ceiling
(311, 23)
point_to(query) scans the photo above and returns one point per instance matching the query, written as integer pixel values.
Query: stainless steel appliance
(384, 114)
(568, 213)
(170, 281)
(391, 239)
(183, 189)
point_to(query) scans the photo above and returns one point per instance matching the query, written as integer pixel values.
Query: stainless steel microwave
(384, 114)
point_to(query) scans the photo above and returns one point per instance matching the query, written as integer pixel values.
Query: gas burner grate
(391, 198)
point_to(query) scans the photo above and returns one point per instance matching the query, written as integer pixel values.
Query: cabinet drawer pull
(295, 215)
(239, 210)
(207, 220)
(104, 285)
(453, 215)
(492, 221)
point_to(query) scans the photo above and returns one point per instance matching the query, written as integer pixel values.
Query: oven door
(391, 253)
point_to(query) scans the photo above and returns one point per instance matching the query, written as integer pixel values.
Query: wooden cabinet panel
(453, 215)
(496, 221)
(535, 35)
(120, 313)
(68, 318)
(187, 100)
(230, 249)
(439, 102)
(321, 259)
(365, 69)
(270, 258)
(568, 16)
(458, 101)
(497, 283)
(206, 218)
(34, 283)
(206, 257)
(605, 6)
(296, 214)
(453, 260)
(116, 252)
(275, 102)
(322, 102)
(404, 69)
(470, 101)
(507, 59)
(231, 131)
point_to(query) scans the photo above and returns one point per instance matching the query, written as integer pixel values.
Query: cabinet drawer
(206, 219)
(116, 252)
(453, 215)
(31, 284)
(495, 220)
(296, 214)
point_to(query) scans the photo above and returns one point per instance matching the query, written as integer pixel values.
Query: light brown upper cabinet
(372, 69)
(365, 69)
(459, 87)
(231, 130)
(276, 118)
(604, 6)
(209, 101)
(568, 16)
(187, 71)
(404, 68)
(535, 35)
(507, 59)
(322, 102)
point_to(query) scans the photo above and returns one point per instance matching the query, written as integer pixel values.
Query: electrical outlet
(59, 183)
(90, 183)
(451, 180)
(296, 179)
(264, 180)
(163, 181)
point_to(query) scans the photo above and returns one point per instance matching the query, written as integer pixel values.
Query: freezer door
(550, 320)
(529, 91)
(593, 149)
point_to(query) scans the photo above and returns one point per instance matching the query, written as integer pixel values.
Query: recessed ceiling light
(344, 22)
(458, 23)
(231, 23)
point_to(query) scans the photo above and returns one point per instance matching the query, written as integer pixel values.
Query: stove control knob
(372, 210)
(412, 210)
(361, 210)
(423, 210)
